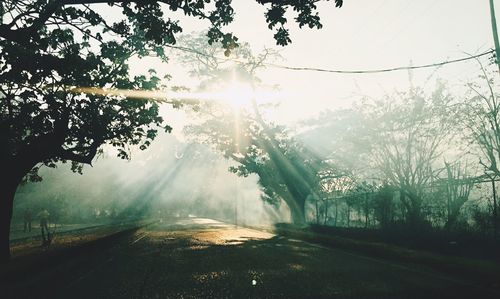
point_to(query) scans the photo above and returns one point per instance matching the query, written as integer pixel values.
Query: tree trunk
(8, 185)
(7, 193)
(451, 221)
(414, 210)
(326, 213)
(495, 224)
(317, 211)
(336, 212)
(297, 214)
(348, 215)
(414, 217)
(454, 212)
(366, 211)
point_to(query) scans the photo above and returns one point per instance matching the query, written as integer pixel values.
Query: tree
(22, 21)
(459, 184)
(60, 58)
(43, 122)
(482, 121)
(384, 205)
(406, 134)
(482, 118)
(287, 169)
(334, 183)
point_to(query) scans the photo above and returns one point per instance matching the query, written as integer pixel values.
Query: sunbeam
(236, 94)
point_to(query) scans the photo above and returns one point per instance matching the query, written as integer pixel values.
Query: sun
(236, 94)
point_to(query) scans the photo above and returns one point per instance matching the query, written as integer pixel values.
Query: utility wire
(374, 71)
(401, 68)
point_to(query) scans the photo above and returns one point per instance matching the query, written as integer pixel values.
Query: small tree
(384, 205)
(334, 184)
(458, 187)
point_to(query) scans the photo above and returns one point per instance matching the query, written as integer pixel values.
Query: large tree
(407, 132)
(60, 58)
(287, 169)
(482, 122)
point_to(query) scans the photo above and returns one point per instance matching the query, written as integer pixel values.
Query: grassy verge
(485, 272)
(31, 257)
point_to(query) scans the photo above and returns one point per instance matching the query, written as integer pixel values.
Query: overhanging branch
(68, 154)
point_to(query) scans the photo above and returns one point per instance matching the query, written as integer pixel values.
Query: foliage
(459, 185)
(50, 48)
(482, 120)
(384, 205)
(396, 142)
(287, 169)
(59, 59)
(407, 132)
(263, 149)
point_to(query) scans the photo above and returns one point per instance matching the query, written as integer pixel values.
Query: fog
(229, 159)
(171, 178)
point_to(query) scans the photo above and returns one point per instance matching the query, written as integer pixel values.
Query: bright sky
(363, 34)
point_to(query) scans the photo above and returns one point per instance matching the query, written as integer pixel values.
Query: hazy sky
(363, 34)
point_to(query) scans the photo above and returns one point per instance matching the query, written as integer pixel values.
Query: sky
(363, 34)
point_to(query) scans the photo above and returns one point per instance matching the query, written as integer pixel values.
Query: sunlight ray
(235, 94)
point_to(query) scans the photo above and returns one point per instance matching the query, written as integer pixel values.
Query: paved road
(202, 258)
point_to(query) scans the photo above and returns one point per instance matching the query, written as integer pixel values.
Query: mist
(171, 178)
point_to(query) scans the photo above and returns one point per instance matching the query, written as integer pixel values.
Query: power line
(401, 68)
(338, 71)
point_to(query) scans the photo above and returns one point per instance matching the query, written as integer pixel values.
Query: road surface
(203, 258)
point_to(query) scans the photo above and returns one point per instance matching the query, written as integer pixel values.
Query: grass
(30, 256)
(484, 270)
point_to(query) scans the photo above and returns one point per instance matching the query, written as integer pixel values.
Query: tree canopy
(287, 169)
(60, 58)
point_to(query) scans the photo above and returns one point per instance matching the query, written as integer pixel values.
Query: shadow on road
(221, 261)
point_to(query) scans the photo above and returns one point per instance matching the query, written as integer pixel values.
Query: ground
(203, 258)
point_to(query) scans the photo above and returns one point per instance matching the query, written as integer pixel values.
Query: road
(203, 258)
